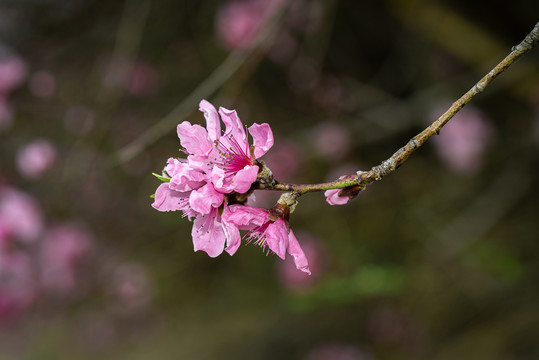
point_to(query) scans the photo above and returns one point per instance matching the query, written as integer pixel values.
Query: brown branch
(388, 166)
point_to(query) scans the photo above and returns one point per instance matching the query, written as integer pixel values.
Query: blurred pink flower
(332, 140)
(42, 84)
(334, 351)
(238, 22)
(264, 231)
(144, 79)
(17, 286)
(293, 279)
(135, 76)
(461, 144)
(130, 287)
(63, 248)
(20, 213)
(35, 158)
(284, 160)
(12, 73)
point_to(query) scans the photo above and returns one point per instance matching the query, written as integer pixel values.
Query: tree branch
(364, 178)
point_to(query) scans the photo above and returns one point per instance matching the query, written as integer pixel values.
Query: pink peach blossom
(293, 279)
(228, 157)
(263, 231)
(217, 165)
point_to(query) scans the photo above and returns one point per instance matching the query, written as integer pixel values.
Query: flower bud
(279, 211)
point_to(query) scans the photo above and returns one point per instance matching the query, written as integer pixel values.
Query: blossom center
(258, 236)
(232, 156)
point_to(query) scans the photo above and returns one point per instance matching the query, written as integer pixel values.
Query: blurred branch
(208, 87)
(391, 164)
(460, 36)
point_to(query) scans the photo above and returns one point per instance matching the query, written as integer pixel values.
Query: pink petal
(173, 166)
(186, 178)
(262, 138)
(167, 199)
(220, 181)
(245, 178)
(297, 253)
(213, 124)
(208, 234)
(232, 233)
(234, 127)
(277, 237)
(205, 198)
(194, 138)
(199, 162)
(245, 216)
(333, 198)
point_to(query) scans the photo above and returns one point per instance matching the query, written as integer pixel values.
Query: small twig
(388, 166)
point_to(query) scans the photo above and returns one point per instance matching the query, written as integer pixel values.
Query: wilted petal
(333, 198)
(245, 178)
(208, 234)
(194, 138)
(277, 237)
(297, 253)
(262, 138)
(205, 198)
(213, 124)
(167, 199)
